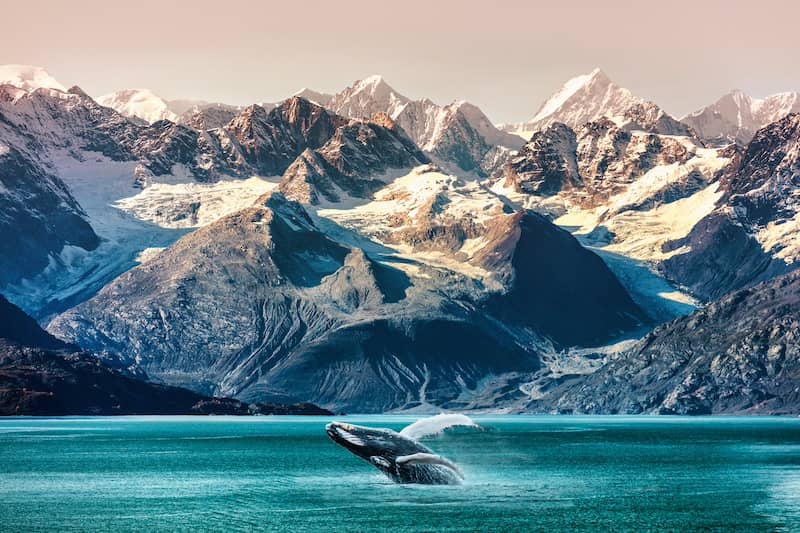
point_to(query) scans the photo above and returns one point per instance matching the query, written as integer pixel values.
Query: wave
(435, 425)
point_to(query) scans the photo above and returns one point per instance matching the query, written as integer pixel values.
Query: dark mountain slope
(43, 376)
(740, 354)
(38, 217)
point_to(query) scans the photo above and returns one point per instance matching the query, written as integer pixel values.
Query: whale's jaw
(402, 459)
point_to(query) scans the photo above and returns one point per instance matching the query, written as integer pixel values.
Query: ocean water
(523, 473)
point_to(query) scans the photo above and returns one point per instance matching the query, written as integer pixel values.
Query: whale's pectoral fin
(429, 459)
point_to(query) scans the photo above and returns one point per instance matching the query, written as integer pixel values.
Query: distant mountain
(458, 136)
(738, 355)
(142, 104)
(71, 135)
(737, 116)
(595, 160)
(28, 78)
(592, 96)
(624, 193)
(314, 96)
(50, 122)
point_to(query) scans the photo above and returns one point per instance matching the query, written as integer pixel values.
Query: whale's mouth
(344, 435)
(330, 429)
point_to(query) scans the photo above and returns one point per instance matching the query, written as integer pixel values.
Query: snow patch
(148, 254)
(192, 205)
(782, 239)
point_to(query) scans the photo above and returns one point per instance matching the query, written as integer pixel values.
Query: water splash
(436, 424)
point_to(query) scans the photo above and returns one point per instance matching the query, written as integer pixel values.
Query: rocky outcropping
(352, 162)
(739, 355)
(594, 162)
(208, 116)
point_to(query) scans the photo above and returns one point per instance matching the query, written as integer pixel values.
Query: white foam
(436, 424)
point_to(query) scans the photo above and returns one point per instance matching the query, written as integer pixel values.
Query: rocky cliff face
(753, 234)
(208, 116)
(48, 120)
(269, 141)
(38, 217)
(43, 376)
(737, 355)
(547, 164)
(592, 163)
(351, 163)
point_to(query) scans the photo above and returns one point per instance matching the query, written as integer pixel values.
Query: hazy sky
(681, 54)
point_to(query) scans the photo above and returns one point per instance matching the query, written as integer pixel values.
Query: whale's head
(369, 443)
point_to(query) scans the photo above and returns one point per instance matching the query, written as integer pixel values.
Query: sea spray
(436, 424)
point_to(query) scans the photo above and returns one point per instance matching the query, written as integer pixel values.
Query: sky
(506, 57)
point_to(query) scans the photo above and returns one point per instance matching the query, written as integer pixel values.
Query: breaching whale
(399, 455)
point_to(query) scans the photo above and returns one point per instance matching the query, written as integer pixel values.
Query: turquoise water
(283, 474)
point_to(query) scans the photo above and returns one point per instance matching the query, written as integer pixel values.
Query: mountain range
(369, 252)
(736, 116)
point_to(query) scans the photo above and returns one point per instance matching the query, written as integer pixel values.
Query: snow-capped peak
(571, 87)
(28, 77)
(584, 98)
(367, 97)
(139, 103)
(371, 81)
(377, 88)
(581, 99)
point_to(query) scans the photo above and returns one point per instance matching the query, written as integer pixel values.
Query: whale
(402, 458)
